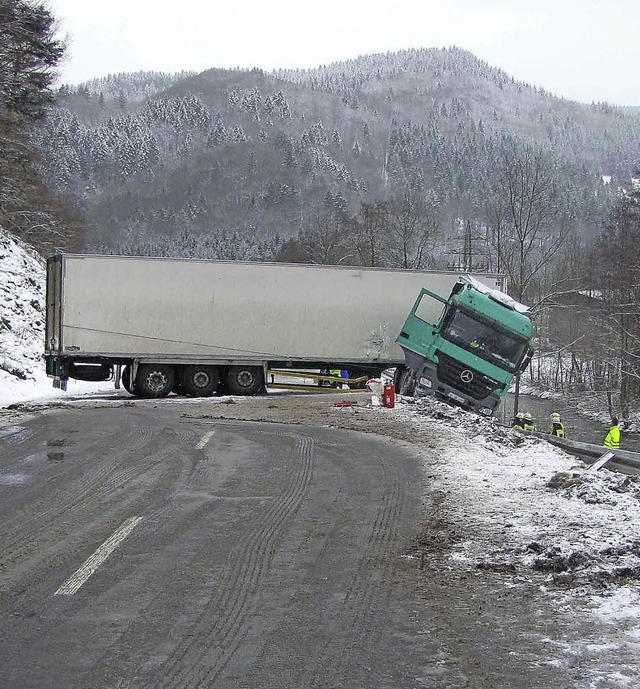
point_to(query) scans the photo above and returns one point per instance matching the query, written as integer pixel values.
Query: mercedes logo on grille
(466, 376)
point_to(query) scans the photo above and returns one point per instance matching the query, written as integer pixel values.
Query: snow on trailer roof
(497, 295)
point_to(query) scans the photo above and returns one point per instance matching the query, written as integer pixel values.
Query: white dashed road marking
(80, 576)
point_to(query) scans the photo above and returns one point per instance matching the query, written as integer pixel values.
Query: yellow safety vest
(613, 438)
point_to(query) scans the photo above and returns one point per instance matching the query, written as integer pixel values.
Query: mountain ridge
(261, 155)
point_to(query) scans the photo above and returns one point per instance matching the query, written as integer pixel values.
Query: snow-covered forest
(235, 163)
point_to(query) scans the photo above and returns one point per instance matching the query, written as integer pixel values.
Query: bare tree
(524, 226)
(413, 230)
(617, 257)
(370, 228)
(525, 231)
(326, 242)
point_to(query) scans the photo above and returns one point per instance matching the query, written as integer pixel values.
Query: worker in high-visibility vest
(612, 441)
(557, 428)
(336, 373)
(528, 423)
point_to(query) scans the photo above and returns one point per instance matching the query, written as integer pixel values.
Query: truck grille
(452, 372)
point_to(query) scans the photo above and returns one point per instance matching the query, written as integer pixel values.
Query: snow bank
(529, 514)
(22, 311)
(22, 321)
(532, 508)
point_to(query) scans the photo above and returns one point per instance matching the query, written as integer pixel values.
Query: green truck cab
(470, 354)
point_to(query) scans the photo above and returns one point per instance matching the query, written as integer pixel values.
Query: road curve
(144, 548)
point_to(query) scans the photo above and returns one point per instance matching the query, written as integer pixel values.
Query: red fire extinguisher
(389, 395)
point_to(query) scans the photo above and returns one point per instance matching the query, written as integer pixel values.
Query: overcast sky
(585, 50)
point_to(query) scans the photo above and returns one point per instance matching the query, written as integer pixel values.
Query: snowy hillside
(22, 319)
(22, 314)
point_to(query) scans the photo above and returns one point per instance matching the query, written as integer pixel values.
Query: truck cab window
(429, 309)
(484, 340)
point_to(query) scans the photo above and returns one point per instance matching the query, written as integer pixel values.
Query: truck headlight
(426, 382)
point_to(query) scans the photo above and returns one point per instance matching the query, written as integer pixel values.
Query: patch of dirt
(312, 410)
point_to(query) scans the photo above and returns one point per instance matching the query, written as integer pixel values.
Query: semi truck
(199, 327)
(471, 352)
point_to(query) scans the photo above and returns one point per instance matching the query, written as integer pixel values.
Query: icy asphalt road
(159, 545)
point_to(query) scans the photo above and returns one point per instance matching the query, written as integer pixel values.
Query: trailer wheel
(200, 381)
(154, 380)
(126, 380)
(245, 380)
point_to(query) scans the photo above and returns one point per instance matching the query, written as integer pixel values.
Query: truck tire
(126, 380)
(200, 381)
(404, 381)
(154, 380)
(245, 380)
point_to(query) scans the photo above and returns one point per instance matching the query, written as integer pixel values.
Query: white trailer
(197, 326)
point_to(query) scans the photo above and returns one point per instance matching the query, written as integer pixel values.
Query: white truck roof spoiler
(497, 295)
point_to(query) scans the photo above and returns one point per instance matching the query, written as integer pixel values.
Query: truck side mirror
(527, 360)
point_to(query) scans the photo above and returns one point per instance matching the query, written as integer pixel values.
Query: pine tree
(29, 52)
(218, 134)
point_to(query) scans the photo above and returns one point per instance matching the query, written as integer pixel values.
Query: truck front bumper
(429, 383)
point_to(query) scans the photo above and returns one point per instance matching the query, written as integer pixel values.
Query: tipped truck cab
(470, 354)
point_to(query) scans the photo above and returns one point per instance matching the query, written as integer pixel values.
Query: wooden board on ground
(599, 463)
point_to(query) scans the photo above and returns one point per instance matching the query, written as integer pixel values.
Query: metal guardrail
(623, 457)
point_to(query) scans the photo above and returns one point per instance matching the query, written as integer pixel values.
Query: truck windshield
(485, 340)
